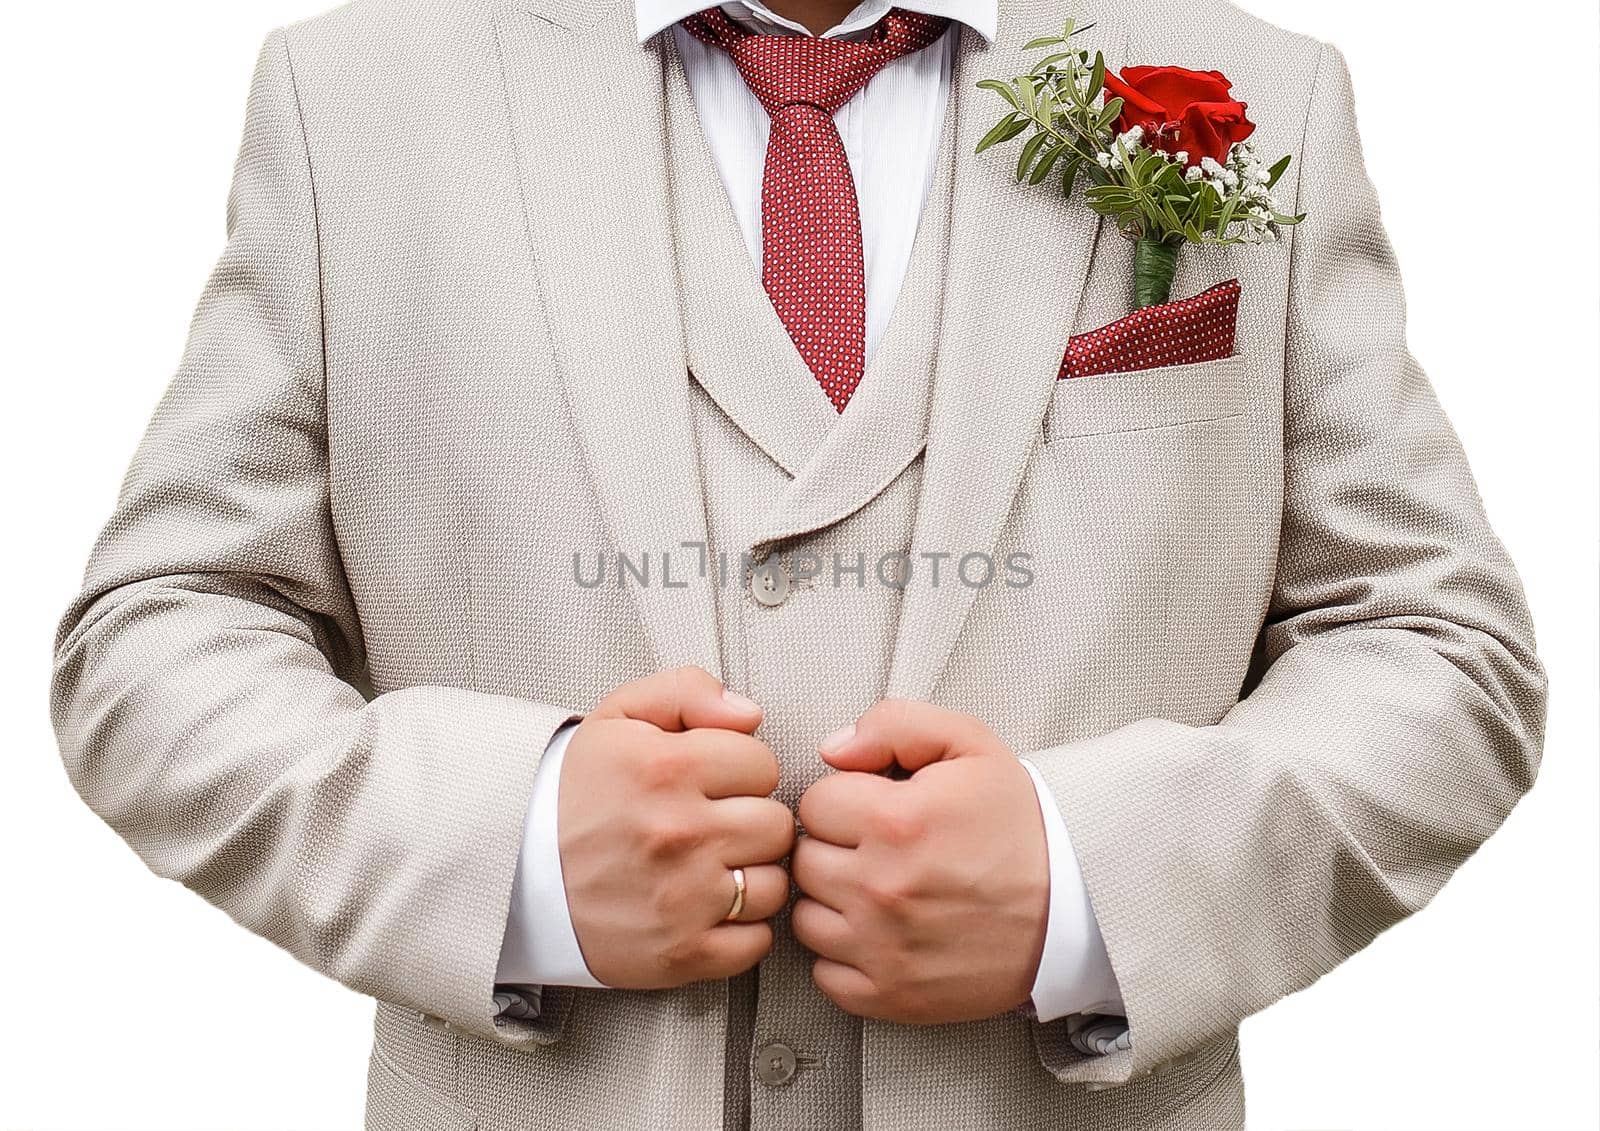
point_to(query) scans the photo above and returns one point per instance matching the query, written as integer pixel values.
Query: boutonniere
(1165, 151)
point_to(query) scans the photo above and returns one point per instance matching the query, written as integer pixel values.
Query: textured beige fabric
(1274, 665)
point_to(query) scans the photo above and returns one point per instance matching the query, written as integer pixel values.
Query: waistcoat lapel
(742, 356)
(588, 116)
(738, 348)
(1019, 258)
(886, 424)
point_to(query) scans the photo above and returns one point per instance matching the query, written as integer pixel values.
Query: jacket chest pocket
(1158, 464)
(1146, 400)
(1148, 511)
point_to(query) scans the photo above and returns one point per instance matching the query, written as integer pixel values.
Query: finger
(766, 891)
(837, 807)
(725, 763)
(824, 932)
(730, 949)
(845, 986)
(680, 699)
(909, 733)
(825, 872)
(754, 830)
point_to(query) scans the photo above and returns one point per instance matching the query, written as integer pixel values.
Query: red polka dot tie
(810, 220)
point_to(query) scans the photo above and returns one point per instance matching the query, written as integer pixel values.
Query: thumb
(679, 699)
(906, 733)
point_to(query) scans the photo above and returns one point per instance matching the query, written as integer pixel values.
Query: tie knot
(788, 70)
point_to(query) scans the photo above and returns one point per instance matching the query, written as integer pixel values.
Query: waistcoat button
(775, 1064)
(769, 583)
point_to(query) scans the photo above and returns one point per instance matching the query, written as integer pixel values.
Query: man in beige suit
(496, 582)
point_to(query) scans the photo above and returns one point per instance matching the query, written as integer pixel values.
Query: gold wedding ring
(738, 895)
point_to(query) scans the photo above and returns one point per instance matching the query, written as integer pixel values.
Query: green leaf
(1278, 170)
(1029, 152)
(1045, 108)
(1046, 41)
(1003, 89)
(1168, 177)
(1112, 111)
(1069, 176)
(1112, 195)
(1229, 207)
(1204, 207)
(1004, 130)
(1173, 221)
(1050, 60)
(1025, 92)
(1097, 77)
(1052, 154)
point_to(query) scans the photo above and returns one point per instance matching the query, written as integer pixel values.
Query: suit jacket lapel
(1019, 259)
(587, 114)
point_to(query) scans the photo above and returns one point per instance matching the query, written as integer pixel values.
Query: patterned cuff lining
(1098, 1035)
(518, 1003)
(1090, 1034)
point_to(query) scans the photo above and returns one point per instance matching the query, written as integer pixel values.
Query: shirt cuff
(541, 947)
(1075, 974)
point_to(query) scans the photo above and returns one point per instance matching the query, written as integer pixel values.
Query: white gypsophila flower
(1104, 160)
(1212, 169)
(1130, 140)
(1193, 173)
(1181, 157)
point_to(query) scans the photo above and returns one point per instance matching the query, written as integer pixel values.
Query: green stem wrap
(1154, 265)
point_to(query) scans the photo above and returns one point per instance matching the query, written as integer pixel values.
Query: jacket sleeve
(1396, 708)
(207, 681)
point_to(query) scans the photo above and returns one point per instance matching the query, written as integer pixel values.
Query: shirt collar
(982, 16)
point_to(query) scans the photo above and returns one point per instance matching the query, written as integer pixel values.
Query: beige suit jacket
(1275, 667)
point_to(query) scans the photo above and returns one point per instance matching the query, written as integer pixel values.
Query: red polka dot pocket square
(1175, 333)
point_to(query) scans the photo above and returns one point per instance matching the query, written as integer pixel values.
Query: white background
(128, 1003)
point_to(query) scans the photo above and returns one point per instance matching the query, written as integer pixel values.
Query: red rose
(1181, 111)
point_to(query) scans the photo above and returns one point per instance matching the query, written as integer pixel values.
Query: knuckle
(799, 860)
(899, 825)
(780, 823)
(688, 678)
(666, 838)
(663, 903)
(663, 766)
(771, 772)
(897, 712)
(892, 1003)
(680, 955)
(810, 801)
(891, 894)
(762, 938)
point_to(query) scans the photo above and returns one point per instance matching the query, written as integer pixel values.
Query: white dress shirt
(891, 133)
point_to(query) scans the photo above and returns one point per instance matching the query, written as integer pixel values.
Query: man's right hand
(664, 791)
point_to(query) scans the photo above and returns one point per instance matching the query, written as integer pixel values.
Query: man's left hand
(928, 897)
